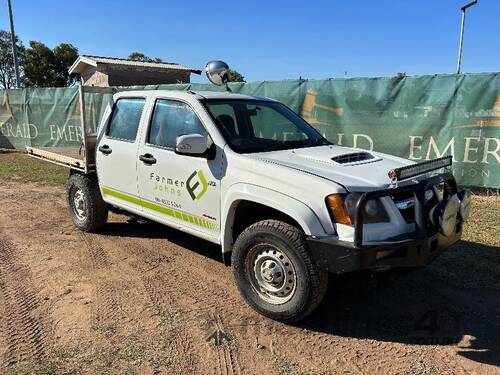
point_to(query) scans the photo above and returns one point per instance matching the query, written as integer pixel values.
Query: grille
(352, 158)
(408, 197)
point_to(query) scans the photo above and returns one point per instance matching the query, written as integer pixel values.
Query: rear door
(178, 190)
(116, 153)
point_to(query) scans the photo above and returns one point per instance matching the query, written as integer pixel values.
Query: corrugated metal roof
(84, 60)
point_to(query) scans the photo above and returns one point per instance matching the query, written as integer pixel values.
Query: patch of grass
(285, 366)
(23, 168)
(58, 360)
(133, 351)
(109, 330)
(483, 225)
(422, 368)
(168, 320)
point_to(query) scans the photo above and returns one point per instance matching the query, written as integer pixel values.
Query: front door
(116, 154)
(182, 191)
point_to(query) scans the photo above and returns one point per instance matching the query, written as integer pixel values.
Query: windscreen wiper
(274, 147)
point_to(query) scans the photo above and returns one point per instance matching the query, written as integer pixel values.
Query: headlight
(342, 208)
(372, 208)
(350, 201)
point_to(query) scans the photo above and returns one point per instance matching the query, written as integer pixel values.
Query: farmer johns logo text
(196, 185)
(167, 185)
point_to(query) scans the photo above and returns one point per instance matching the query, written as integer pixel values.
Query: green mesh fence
(418, 118)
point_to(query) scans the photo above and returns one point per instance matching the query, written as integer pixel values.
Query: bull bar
(412, 249)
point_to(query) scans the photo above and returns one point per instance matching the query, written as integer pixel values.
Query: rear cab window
(125, 119)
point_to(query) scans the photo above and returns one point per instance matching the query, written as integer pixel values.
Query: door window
(170, 120)
(125, 118)
(225, 118)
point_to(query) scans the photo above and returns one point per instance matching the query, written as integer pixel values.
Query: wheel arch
(246, 204)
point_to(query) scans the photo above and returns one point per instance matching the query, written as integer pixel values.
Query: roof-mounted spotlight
(218, 73)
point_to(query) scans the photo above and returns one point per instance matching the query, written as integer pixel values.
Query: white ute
(287, 206)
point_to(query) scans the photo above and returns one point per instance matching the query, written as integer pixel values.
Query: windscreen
(259, 126)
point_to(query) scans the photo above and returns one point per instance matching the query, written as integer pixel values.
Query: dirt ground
(142, 298)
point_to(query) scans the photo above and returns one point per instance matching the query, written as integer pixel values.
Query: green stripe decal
(161, 209)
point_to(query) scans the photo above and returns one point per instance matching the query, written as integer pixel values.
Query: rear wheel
(275, 273)
(85, 204)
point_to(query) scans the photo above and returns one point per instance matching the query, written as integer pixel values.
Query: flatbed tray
(65, 156)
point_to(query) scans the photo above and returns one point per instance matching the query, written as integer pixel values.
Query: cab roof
(200, 95)
(226, 95)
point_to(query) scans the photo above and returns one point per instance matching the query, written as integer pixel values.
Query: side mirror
(193, 145)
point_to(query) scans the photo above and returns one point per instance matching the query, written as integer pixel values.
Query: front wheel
(85, 205)
(275, 273)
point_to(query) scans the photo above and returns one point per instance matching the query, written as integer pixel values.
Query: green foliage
(139, 56)
(45, 67)
(7, 72)
(39, 66)
(235, 76)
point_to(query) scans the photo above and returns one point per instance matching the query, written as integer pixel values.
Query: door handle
(105, 149)
(147, 159)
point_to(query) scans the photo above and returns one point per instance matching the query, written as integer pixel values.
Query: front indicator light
(338, 209)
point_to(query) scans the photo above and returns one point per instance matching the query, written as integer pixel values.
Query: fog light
(444, 215)
(465, 204)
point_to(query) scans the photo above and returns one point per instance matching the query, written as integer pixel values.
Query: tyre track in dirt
(148, 265)
(25, 328)
(98, 255)
(108, 311)
(228, 362)
(181, 343)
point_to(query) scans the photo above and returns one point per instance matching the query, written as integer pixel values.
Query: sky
(273, 40)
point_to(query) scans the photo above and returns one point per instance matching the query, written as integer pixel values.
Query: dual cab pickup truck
(287, 206)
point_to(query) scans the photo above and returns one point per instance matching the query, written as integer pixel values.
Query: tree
(7, 71)
(45, 67)
(235, 76)
(65, 55)
(139, 56)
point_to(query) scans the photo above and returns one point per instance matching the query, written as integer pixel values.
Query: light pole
(13, 38)
(464, 8)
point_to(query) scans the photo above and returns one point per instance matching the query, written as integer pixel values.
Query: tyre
(275, 273)
(85, 205)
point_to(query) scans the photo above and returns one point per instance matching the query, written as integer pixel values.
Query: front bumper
(341, 257)
(415, 249)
